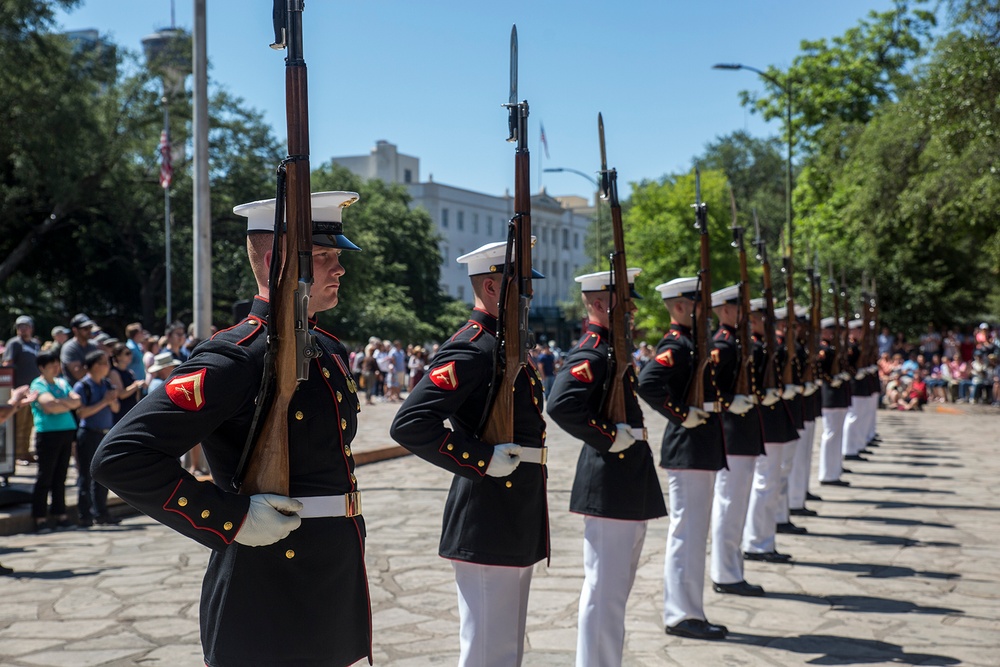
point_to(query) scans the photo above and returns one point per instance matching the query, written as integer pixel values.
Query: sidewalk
(897, 569)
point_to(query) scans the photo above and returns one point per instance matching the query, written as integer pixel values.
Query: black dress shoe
(696, 628)
(813, 496)
(846, 470)
(865, 450)
(836, 482)
(6, 570)
(108, 520)
(802, 511)
(872, 443)
(854, 457)
(767, 556)
(739, 588)
(790, 528)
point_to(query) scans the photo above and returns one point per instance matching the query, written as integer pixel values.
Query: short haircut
(93, 358)
(45, 358)
(133, 330)
(118, 349)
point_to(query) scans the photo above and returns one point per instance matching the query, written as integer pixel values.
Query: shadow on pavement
(56, 574)
(834, 650)
(889, 521)
(876, 571)
(903, 489)
(902, 475)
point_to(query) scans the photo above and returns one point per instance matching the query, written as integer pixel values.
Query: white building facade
(465, 220)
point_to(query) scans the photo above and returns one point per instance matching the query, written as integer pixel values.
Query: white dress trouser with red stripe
(830, 448)
(759, 531)
(690, 493)
(493, 610)
(798, 482)
(872, 416)
(854, 427)
(729, 514)
(788, 454)
(611, 550)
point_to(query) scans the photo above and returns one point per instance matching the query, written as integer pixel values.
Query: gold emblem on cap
(348, 202)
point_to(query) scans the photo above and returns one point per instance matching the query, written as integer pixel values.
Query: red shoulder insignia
(582, 372)
(716, 357)
(187, 391)
(666, 358)
(444, 377)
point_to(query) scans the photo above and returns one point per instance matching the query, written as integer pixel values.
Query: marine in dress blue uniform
(279, 590)
(795, 396)
(836, 395)
(859, 424)
(615, 488)
(779, 431)
(798, 480)
(495, 525)
(692, 451)
(744, 441)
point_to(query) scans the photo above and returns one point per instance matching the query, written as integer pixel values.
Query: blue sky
(430, 76)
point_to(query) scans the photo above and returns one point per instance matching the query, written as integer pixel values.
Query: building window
(444, 218)
(545, 234)
(444, 254)
(461, 292)
(489, 225)
(565, 235)
(460, 220)
(407, 176)
(576, 240)
(545, 267)
(475, 223)
(565, 270)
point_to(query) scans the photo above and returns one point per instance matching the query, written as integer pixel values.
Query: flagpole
(166, 202)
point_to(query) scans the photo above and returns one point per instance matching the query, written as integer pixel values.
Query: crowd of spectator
(943, 367)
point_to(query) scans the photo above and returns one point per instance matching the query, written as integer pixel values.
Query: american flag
(544, 141)
(166, 168)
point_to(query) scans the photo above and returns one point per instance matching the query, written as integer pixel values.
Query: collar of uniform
(594, 327)
(728, 328)
(484, 319)
(261, 308)
(680, 328)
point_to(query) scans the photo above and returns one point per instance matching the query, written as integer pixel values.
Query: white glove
(836, 382)
(623, 438)
(860, 375)
(740, 405)
(753, 398)
(789, 393)
(844, 376)
(810, 388)
(506, 458)
(270, 518)
(696, 417)
(771, 396)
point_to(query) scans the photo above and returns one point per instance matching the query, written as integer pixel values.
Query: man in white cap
(793, 396)
(495, 525)
(286, 581)
(836, 398)
(744, 441)
(692, 451)
(615, 487)
(798, 479)
(20, 354)
(856, 423)
(779, 432)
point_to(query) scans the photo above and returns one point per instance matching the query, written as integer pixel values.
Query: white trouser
(611, 550)
(787, 463)
(493, 610)
(853, 441)
(690, 494)
(872, 416)
(758, 534)
(798, 481)
(729, 514)
(830, 456)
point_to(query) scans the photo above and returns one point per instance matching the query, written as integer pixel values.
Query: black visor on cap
(331, 235)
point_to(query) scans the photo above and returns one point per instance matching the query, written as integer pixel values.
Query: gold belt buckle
(352, 504)
(545, 455)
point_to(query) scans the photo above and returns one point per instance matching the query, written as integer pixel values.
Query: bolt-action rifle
(769, 379)
(838, 342)
(511, 355)
(263, 467)
(702, 319)
(620, 305)
(746, 384)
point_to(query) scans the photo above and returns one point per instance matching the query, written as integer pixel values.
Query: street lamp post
(785, 86)
(597, 187)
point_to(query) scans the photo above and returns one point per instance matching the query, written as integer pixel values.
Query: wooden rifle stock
(702, 317)
(268, 470)
(812, 330)
(769, 379)
(835, 368)
(791, 357)
(620, 306)
(515, 291)
(745, 382)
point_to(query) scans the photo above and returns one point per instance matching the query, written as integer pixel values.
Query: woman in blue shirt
(98, 403)
(55, 429)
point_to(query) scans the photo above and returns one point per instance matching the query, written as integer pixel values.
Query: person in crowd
(285, 583)
(176, 338)
(125, 383)
(935, 381)
(495, 524)
(60, 335)
(55, 430)
(369, 373)
(163, 364)
(20, 354)
(546, 364)
(98, 403)
(916, 396)
(885, 345)
(18, 397)
(74, 351)
(930, 342)
(135, 340)
(417, 362)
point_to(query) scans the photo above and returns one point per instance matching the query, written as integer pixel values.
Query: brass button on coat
(182, 501)
(227, 525)
(465, 455)
(326, 373)
(290, 554)
(299, 415)
(347, 450)
(205, 514)
(340, 397)
(343, 423)
(509, 484)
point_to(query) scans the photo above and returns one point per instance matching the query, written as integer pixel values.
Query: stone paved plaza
(898, 569)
